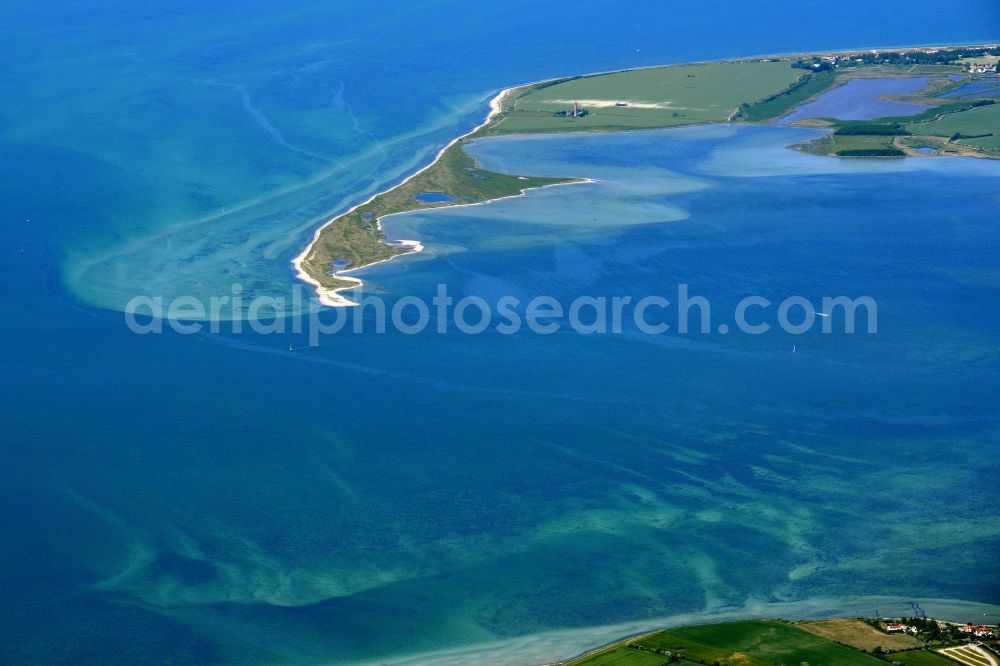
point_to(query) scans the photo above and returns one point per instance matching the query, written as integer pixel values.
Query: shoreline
(541, 648)
(331, 296)
(418, 246)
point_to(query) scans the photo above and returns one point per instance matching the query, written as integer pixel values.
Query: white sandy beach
(332, 297)
(611, 103)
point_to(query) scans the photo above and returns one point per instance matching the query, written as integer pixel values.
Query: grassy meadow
(859, 634)
(848, 145)
(974, 122)
(647, 98)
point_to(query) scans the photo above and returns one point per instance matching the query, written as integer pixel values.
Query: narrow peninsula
(952, 111)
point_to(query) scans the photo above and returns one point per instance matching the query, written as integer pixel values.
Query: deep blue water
(215, 498)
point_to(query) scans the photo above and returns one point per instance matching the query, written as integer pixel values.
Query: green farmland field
(920, 658)
(757, 643)
(750, 643)
(981, 120)
(835, 144)
(861, 142)
(646, 98)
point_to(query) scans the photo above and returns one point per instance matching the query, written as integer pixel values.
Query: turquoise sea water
(214, 498)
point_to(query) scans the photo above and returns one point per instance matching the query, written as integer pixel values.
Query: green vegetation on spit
(754, 90)
(806, 87)
(355, 239)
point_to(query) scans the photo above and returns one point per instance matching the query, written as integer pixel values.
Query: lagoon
(987, 89)
(862, 99)
(433, 197)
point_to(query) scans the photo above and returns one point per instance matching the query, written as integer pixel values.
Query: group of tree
(871, 152)
(872, 129)
(931, 630)
(940, 57)
(813, 64)
(795, 85)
